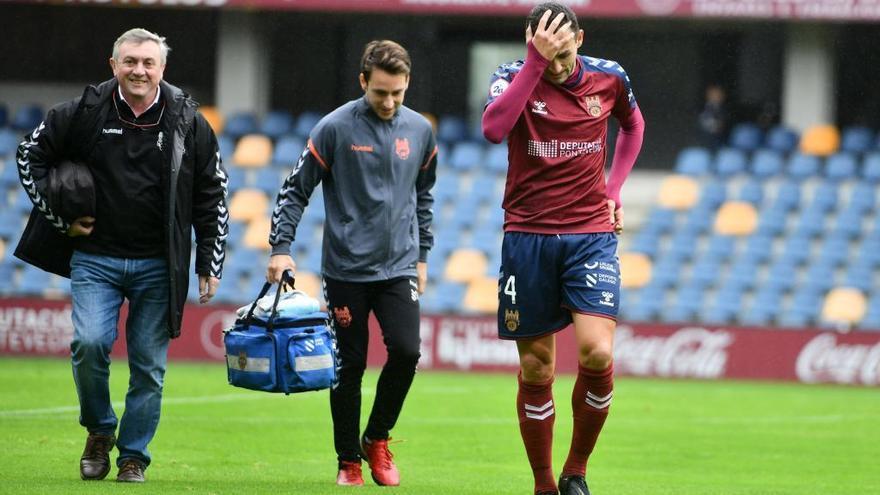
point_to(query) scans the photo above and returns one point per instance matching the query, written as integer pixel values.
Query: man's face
(138, 69)
(385, 92)
(563, 65)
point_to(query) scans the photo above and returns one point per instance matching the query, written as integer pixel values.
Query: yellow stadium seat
(678, 192)
(257, 234)
(821, 140)
(214, 117)
(466, 264)
(309, 283)
(844, 305)
(635, 270)
(248, 204)
(482, 295)
(736, 218)
(253, 150)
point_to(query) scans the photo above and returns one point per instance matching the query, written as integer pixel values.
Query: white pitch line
(205, 399)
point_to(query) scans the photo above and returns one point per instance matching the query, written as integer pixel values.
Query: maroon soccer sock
(590, 401)
(537, 413)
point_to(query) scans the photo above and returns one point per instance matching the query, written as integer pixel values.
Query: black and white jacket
(193, 180)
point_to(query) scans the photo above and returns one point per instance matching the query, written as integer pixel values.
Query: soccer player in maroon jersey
(559, 256)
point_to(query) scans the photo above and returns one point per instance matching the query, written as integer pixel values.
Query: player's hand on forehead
(550, 36)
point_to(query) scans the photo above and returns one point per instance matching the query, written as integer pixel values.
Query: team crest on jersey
(511, 319)
(343, 316)
(498, 87)
(594, 107)
(401, 147)
(539, 107)
(242, 360)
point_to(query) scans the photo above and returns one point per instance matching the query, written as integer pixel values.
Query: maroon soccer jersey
(557, 148)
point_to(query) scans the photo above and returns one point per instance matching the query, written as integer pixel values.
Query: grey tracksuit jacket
(377, 177)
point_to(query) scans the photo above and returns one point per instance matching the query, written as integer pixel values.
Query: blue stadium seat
(859, 276)
(868, 254)
(9, 140)
(666, 272)
(806, 302)
(305, 122)
(447, 186)
(848, 223)
(22, 202)
(730, 162)
(693, 161)
(841, 166)
(781, 275)
(782, 139)
(27, 117)
(496, 158)
(834, 251)
(488, 241)
(8, 177)
(712, 194)
(743, 273)
(824, 197)
(452, 129)
(871, 168)
(766, 163)
(788, 196)
(758, 249)
(682, 246)
(686, 303)
(705, 272)
(746, 137)
(819, 276)
(484, 188)
(802, 166)
(765, 307)
(871, 321)
(647, 243)
(239, 124)
(721, 246)
(227, 147)
(466, 156)
(752, 192)
(276, 124)
(646, 308)
(724, 307)
(449, 297)
(857, 139)
(771, 222)
(11, 223)
(268, 180)
(699, 220)
(660, 220)
(863, 197)
(810, 223)
(287, 151)
(32, 281)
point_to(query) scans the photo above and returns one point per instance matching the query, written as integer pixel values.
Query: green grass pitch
(458, 435)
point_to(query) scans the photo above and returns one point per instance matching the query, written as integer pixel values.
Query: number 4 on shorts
(510, 288)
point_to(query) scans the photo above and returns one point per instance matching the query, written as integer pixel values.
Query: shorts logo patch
(414, 295)
(511, 319)
(342, 316)
(591, 280)
(607, 298)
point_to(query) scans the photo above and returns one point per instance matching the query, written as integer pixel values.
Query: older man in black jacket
(158, 176)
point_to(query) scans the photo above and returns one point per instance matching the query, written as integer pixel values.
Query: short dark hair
(555, 8)
(387, 56)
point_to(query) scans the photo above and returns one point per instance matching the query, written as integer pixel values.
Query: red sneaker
(349, 474)
(382, 468)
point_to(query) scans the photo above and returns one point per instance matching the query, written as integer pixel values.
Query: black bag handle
(288, 279)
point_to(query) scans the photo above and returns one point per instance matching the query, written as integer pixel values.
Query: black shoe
(547, 493)
(573, 485)
(131, 471)
(95, 461)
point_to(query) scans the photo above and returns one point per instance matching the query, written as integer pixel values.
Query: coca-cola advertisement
(38, 327)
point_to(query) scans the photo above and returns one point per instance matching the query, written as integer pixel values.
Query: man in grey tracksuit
(377, 161)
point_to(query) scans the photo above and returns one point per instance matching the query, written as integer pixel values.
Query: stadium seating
(240, 124)
(481, 295)
(844, 306)
(214, 117)
(678, 192)
(27, 117)
(820, 140)
(276, 123)
(253, 150)
(248, 204)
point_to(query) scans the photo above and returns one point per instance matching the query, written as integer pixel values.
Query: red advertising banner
(37, 327)
(850, 10)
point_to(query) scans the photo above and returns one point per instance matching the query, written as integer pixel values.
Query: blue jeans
(98, 285)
